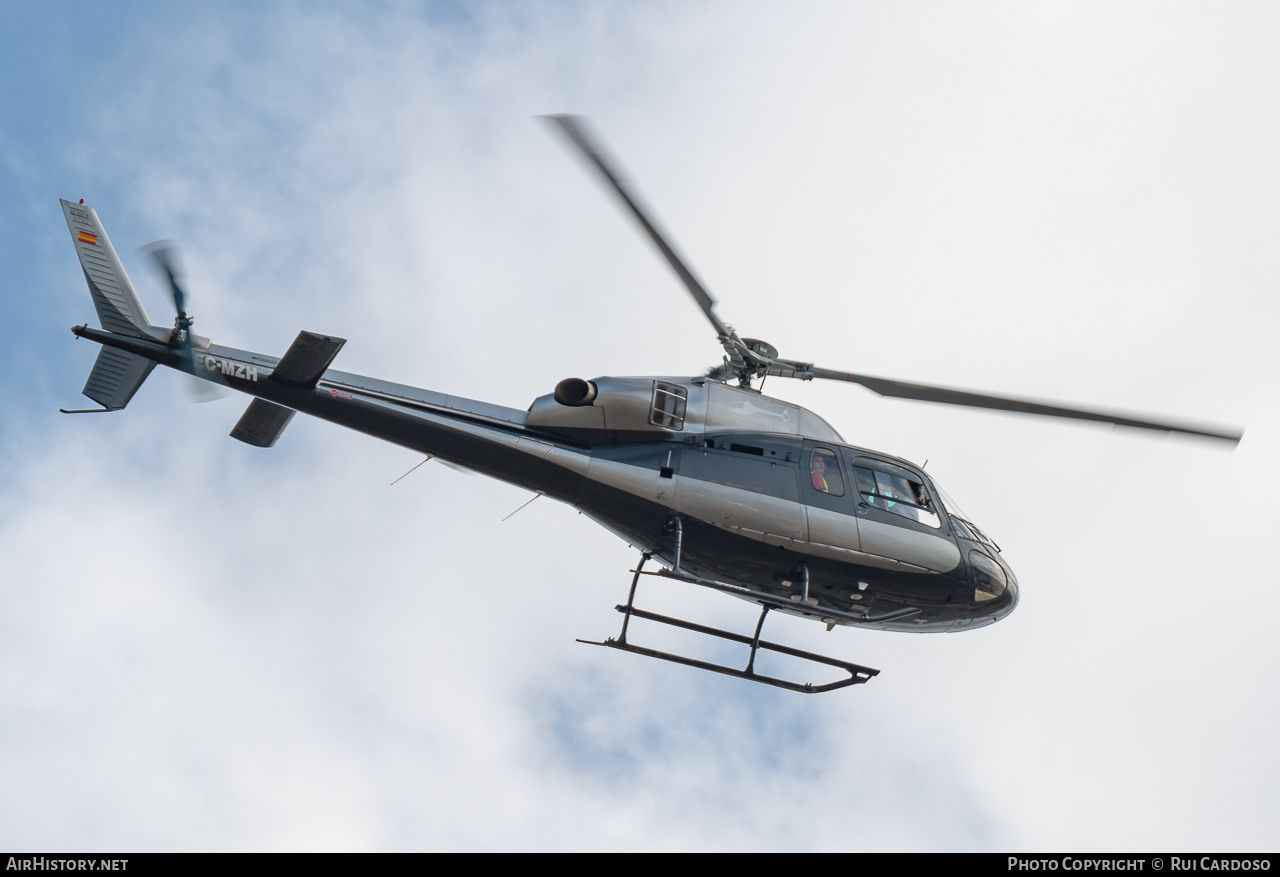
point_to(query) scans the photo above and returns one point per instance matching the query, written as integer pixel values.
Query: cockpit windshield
(952, 507)
(963, 523)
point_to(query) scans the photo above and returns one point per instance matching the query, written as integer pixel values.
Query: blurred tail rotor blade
(164, 257)
(203, 391)
(951, 396)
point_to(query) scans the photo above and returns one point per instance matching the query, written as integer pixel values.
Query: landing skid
(857, 673)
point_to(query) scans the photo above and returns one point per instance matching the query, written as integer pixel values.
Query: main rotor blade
(950, 396)
(573, 127)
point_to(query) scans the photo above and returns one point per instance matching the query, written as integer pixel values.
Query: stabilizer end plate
(306, 359)
(262, 423)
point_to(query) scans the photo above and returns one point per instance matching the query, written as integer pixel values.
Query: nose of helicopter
(993, 579)
(1012, 590)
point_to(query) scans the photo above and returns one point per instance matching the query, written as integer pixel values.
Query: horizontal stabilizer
(118, 307)
(116, 376)
(262, 423)
(306, 359)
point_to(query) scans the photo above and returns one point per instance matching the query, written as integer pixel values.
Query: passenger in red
(818, 472)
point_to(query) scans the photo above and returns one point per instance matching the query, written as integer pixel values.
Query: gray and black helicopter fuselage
(728, 488)
(763, 493)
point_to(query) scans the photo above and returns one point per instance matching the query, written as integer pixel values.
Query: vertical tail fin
(117, 374)
(117, 304)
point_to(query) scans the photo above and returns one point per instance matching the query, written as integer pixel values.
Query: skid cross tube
(631, 599)
(857, 673)
(755, 641)
(677, 526)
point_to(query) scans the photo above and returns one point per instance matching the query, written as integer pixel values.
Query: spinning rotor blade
(749, 358)
(202, 391)
(574, 129)
(950, 396)
(164, 255)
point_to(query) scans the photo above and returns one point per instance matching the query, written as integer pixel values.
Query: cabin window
(895, 490)
(668, 405)
(824, 472)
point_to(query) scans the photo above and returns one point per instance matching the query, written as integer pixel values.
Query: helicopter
(723, 487)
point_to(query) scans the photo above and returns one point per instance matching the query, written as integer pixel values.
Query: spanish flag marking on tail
(88, 237)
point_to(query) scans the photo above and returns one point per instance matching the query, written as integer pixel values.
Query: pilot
(923, 512)
(922, 498)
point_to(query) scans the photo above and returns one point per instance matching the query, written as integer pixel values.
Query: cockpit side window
(824, 472)
(895, 490)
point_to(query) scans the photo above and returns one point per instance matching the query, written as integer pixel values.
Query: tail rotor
(165, 259)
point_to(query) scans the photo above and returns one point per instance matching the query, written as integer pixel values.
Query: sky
(208, 646)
